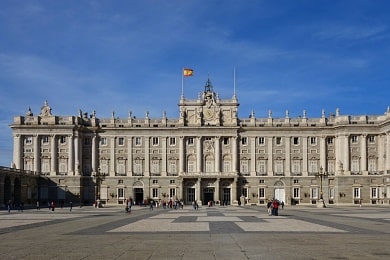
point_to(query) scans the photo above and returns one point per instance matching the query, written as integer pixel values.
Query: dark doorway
(208, 195)
(139, 196)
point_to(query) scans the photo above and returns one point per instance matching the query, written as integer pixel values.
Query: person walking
(70, 206)
(269, 208)
(37, 204)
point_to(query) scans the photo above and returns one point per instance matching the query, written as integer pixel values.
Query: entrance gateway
(279, 191)
(208, 190)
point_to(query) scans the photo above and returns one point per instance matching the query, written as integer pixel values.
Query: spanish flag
(188, 72)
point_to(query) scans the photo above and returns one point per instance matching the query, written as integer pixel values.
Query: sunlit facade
(207, 154)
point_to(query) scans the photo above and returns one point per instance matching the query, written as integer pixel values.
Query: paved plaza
(208, 233)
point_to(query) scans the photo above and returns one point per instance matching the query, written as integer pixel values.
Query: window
(261, 141)
(155, 141)
(313, 140)
(261, 192)
(138, 141)
(209, 166)
(278, 140)
(244, 140)
(313, 166)
(226, 166)
(87, 141)
(155, 168)
(62, 139)
(279, 167)
(296, 193)
(329, 140)
(314, 193)
(261, 167)
(28, 140)
(296, 181)
(371, 165)
(155, 193)
(155, 182)
(121, 193)
(172, 192)
(45, 139)
(356, 193)
(190, 141)
(261, 181)
(121, 169)
(172, 182)
(296, 140)
(172, 141)
(331, 167)
(138, 166)
(225, 141)
(121, 141)
(371, 139)
(331, 193)
(374, 193)
(191, 166)
(354, 139)
(244, 166)
(172, 167)
(296, 166)
(103, 141)
(244, 192)
(355, 165)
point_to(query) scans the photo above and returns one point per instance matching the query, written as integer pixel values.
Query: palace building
(207, 154)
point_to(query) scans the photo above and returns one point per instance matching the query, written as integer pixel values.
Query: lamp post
(99, 177)
(321, 174)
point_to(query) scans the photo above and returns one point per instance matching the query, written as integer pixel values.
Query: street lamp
(99, 178)
(321, 174)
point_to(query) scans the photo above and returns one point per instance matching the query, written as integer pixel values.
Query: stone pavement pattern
(209, 233)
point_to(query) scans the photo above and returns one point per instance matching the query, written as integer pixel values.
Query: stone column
(111, 171)
(17, 156)
(70, 155)
(181, 155)
(387, 142)
(53, 156)
(217, 191)
(270, 162)
(253, 156)
(198, 154)
(164, 156)
(234, 154)
(94, 150)
(130, 156)
(323, 153)
(304, 156)
(147, 156)
(233, 195)
(198, 190)
(288, 156)
(217, 155)
(345, 148)
(363, 154)
(77, 154)
(37, 152)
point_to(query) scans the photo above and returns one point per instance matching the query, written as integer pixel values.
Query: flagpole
(234, 82)
(182, 83)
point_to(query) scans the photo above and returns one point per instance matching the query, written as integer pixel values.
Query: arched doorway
(138, 189)
(279, 192)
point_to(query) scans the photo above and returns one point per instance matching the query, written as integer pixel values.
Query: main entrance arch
(279, 191)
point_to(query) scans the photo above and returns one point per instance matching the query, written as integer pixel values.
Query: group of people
(273, 207)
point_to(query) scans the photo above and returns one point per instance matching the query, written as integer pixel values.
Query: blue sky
(128, 55)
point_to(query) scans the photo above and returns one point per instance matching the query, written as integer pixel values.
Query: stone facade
(207, 154)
